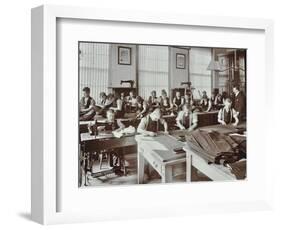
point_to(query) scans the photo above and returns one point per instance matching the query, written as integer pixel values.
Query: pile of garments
(216, 147)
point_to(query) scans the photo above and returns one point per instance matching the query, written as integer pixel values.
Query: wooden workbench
(213, 171)
(105, 141)
(158, 153)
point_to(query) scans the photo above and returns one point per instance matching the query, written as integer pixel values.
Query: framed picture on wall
(124, 55)
(180, 61)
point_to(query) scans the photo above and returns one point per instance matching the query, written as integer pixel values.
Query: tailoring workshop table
(103, 142)
(159, 153)
(83, 125)
(204, 119)
(213, 171)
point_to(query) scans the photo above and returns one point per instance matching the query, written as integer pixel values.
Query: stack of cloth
(238, 168)
(216, 147)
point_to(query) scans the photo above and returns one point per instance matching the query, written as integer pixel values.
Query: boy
(87, 106)
(116, 160)
(187, 119)
(227, 114)
(142, 107)
(178, 101)
(153, 100)
(149, 124)
(165, 102)
(205, 102)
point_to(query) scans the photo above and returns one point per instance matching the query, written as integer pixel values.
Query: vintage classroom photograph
(151, 114)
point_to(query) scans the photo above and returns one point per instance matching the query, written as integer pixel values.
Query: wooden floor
(131, 177)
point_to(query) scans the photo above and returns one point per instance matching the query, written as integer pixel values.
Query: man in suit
(239, 102)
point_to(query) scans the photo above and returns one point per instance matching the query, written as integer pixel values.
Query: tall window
(153, 69)
(199, 75)
(94, 67)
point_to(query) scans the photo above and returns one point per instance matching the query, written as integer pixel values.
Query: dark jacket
(240, 103)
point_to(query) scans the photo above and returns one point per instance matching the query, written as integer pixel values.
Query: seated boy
(205, 102)
(165, 103)
(153, 100)
(178, 101)
(187, 119)
(112, 124)
(141, 108)
(149, 124)
(87, 106)
(132, 98)
(116, 160)
(227, 114)
(118, 106)
(188, 99)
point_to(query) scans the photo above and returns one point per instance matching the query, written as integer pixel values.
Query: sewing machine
(131, 82)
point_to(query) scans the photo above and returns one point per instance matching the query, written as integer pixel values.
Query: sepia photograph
(151, 114)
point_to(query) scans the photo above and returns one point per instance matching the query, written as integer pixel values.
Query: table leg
(167, 176)
(141, 162)
(188, 167)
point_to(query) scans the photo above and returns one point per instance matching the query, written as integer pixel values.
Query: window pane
(153, 69)
(94, 67)
(200, 77)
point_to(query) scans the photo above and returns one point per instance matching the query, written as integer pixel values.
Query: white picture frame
(45, 162)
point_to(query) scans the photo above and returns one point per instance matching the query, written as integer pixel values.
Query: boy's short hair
(163, 91)
(102, 94)
(236, 86)
(187, 107)
(110, 95)
(110, 111)
(228, 100)
(86, 89)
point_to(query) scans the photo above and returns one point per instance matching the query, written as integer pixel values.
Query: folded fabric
(213, 146)
(126, 131)
(238, 169)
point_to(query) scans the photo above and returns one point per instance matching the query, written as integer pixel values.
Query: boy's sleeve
(142, 124)
(180, 116)
(220, 114)
(194, 118)
(235, 113)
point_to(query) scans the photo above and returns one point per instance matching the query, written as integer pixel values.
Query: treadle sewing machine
(131, 82)
(99, 145)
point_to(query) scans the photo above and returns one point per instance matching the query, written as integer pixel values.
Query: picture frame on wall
(124, 55)
(180, 61)
(56, 32)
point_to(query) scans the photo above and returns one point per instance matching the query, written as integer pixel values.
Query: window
(94, 67)
(200, 77)
(153, 66)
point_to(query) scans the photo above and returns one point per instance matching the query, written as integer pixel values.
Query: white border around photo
(56, 197)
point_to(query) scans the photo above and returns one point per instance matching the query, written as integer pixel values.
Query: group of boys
(151, 111)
